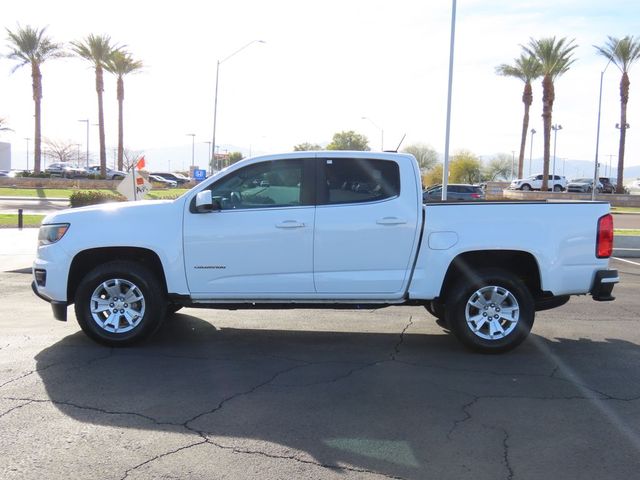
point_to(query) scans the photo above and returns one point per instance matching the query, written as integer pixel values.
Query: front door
(261, 243)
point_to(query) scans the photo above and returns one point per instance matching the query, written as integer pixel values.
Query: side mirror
(205, 203)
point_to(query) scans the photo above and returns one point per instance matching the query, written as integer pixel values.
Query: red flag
(140, 164)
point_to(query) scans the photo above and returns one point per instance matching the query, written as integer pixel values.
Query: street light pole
(87, 122)
(193, 147)
(381, 132)
(27, 139)
(533, 132)
(555, 129)
(445, 167)
(208, 150)
(215, 99)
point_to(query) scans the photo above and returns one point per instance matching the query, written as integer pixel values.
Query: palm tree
(30, 46)
(622, 52)
(97, 49)
(555, 57)
(527, 68)
(3, 125)
(120, 64)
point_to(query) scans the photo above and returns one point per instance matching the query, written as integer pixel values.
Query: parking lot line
(627, 261)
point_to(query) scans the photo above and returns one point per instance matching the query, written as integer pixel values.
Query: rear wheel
(557, 188)
(119, 303)
(493, 313)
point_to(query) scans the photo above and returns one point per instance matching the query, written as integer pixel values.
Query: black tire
(487, 337)
(435, 308)
(173, 308)
(557, 188)
(526, 187)
(137, 284)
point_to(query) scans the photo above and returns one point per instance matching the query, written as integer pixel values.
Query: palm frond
(555, 56)
(121, 63)
(31, 45)
(622, 52)
(96, 49)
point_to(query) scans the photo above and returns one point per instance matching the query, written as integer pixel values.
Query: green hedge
(84, 198)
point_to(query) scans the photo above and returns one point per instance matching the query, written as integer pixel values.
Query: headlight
(49, 234)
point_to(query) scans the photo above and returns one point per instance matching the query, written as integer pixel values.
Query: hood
(107, 212)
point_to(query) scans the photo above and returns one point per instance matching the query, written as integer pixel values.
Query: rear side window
(357, 180)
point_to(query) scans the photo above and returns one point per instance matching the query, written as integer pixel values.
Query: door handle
(290, 224)
(391, 221)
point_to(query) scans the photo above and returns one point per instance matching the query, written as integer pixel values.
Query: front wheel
(492, 313)
(119, 303)
(526, 187)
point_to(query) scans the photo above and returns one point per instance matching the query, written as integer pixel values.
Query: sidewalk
(17, 248)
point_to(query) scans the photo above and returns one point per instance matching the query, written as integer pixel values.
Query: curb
(36, 199)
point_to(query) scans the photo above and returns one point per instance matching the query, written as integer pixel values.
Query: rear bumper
(59, 308)
(603, 285)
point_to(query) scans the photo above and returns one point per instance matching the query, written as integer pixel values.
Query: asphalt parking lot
(320, 394)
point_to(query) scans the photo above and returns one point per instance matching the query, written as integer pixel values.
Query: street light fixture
(87, 122)
(533, 132)
(193, 147)
(215, 101)
(381, 132)
(555, 129)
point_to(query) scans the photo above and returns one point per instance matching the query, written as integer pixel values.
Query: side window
(262, 185)
(539, 177)
(357, 180)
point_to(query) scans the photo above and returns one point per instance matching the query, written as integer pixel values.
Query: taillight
(604, 243)
(475, 195)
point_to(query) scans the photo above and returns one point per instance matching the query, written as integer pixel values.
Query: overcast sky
(324, 66)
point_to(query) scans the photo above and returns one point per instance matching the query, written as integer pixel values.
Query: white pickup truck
(323, 229)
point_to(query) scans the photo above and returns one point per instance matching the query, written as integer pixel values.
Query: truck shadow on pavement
(403, 405)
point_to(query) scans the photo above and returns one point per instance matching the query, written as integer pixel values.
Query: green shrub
(90, 197)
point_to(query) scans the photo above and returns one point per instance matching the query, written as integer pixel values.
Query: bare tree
(130, 158)
(63, 151)
(426, 155)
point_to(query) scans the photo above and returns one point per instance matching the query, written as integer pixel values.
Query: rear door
(366, 226)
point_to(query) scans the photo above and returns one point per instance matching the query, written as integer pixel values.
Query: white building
(5, 156)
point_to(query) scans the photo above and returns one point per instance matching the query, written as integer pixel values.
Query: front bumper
(603, 285)
(59, 308)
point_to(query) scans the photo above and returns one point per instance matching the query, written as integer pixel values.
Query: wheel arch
(520, 263)
(87, 260)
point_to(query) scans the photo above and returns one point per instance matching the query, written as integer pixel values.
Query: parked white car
(557, 183)
(291, 230)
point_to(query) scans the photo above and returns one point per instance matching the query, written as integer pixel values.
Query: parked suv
(176, 177)
(608, 184)
(558, 183)
(65, 170)
(583, 185)
(110, 174)
(455, 191)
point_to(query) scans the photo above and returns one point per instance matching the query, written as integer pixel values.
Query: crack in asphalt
(465, 410)
(224, 401)
(25, 375)
(396, 348)
(162, 455)
(300, 460)
(505, 454)
(15, 408)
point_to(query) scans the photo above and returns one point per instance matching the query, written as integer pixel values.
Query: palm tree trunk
(120, 123)
(527, 98)
(548, 96)
(624, 99)
(36, 76)
(103, 150)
